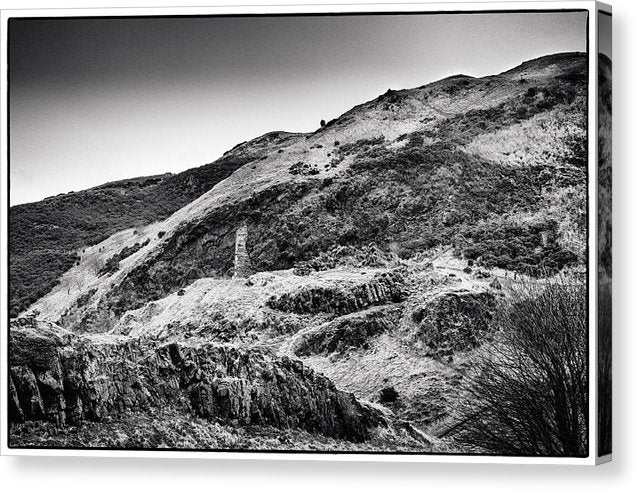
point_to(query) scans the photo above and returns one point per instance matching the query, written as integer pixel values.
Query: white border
(589, 5)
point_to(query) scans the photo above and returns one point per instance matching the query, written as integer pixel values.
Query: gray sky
(96, 100)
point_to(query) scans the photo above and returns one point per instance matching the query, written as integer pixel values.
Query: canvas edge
(599, 7)
(590, 5)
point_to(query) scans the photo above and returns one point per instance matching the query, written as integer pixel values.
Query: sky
(97, 100)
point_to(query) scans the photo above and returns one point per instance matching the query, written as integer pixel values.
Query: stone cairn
(242, 266)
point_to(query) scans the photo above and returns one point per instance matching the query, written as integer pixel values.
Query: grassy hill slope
(45, 237)
(407, 171)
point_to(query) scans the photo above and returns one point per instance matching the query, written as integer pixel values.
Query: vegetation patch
(361, 145)
(367, 256)
(530, 248)
(83, 299)
(463, 128)
(112, 264)
(172, 429)
(303, 169)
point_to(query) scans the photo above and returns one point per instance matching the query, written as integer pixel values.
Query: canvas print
(358, 233)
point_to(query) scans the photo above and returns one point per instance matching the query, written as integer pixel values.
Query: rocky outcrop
(349, 331)
(453, 322)
(58, 377)
(381, 288)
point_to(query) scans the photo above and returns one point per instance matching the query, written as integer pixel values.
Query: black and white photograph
(361, 233)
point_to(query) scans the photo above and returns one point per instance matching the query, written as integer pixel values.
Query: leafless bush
(528, 393)
(94, 263)
(71, 282)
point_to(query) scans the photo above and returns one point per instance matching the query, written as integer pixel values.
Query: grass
(554, 138)
(169, 429)
(424, 385)
(463, 128)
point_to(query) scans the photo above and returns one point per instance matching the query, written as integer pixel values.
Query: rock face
(380, 289)
(453, 322)
(349, 331)
(61, 378)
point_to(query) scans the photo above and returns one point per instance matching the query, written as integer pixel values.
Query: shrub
(112, 264)
(388, 394)
(110, 267)
(453, 322)
(530, 92)
(84, 299)
(528, 393)
(516, 246)
(361, 146)
(303, 168)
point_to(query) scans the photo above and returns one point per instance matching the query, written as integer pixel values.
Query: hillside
(407, 171)
(385, 246)
(46, 237)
